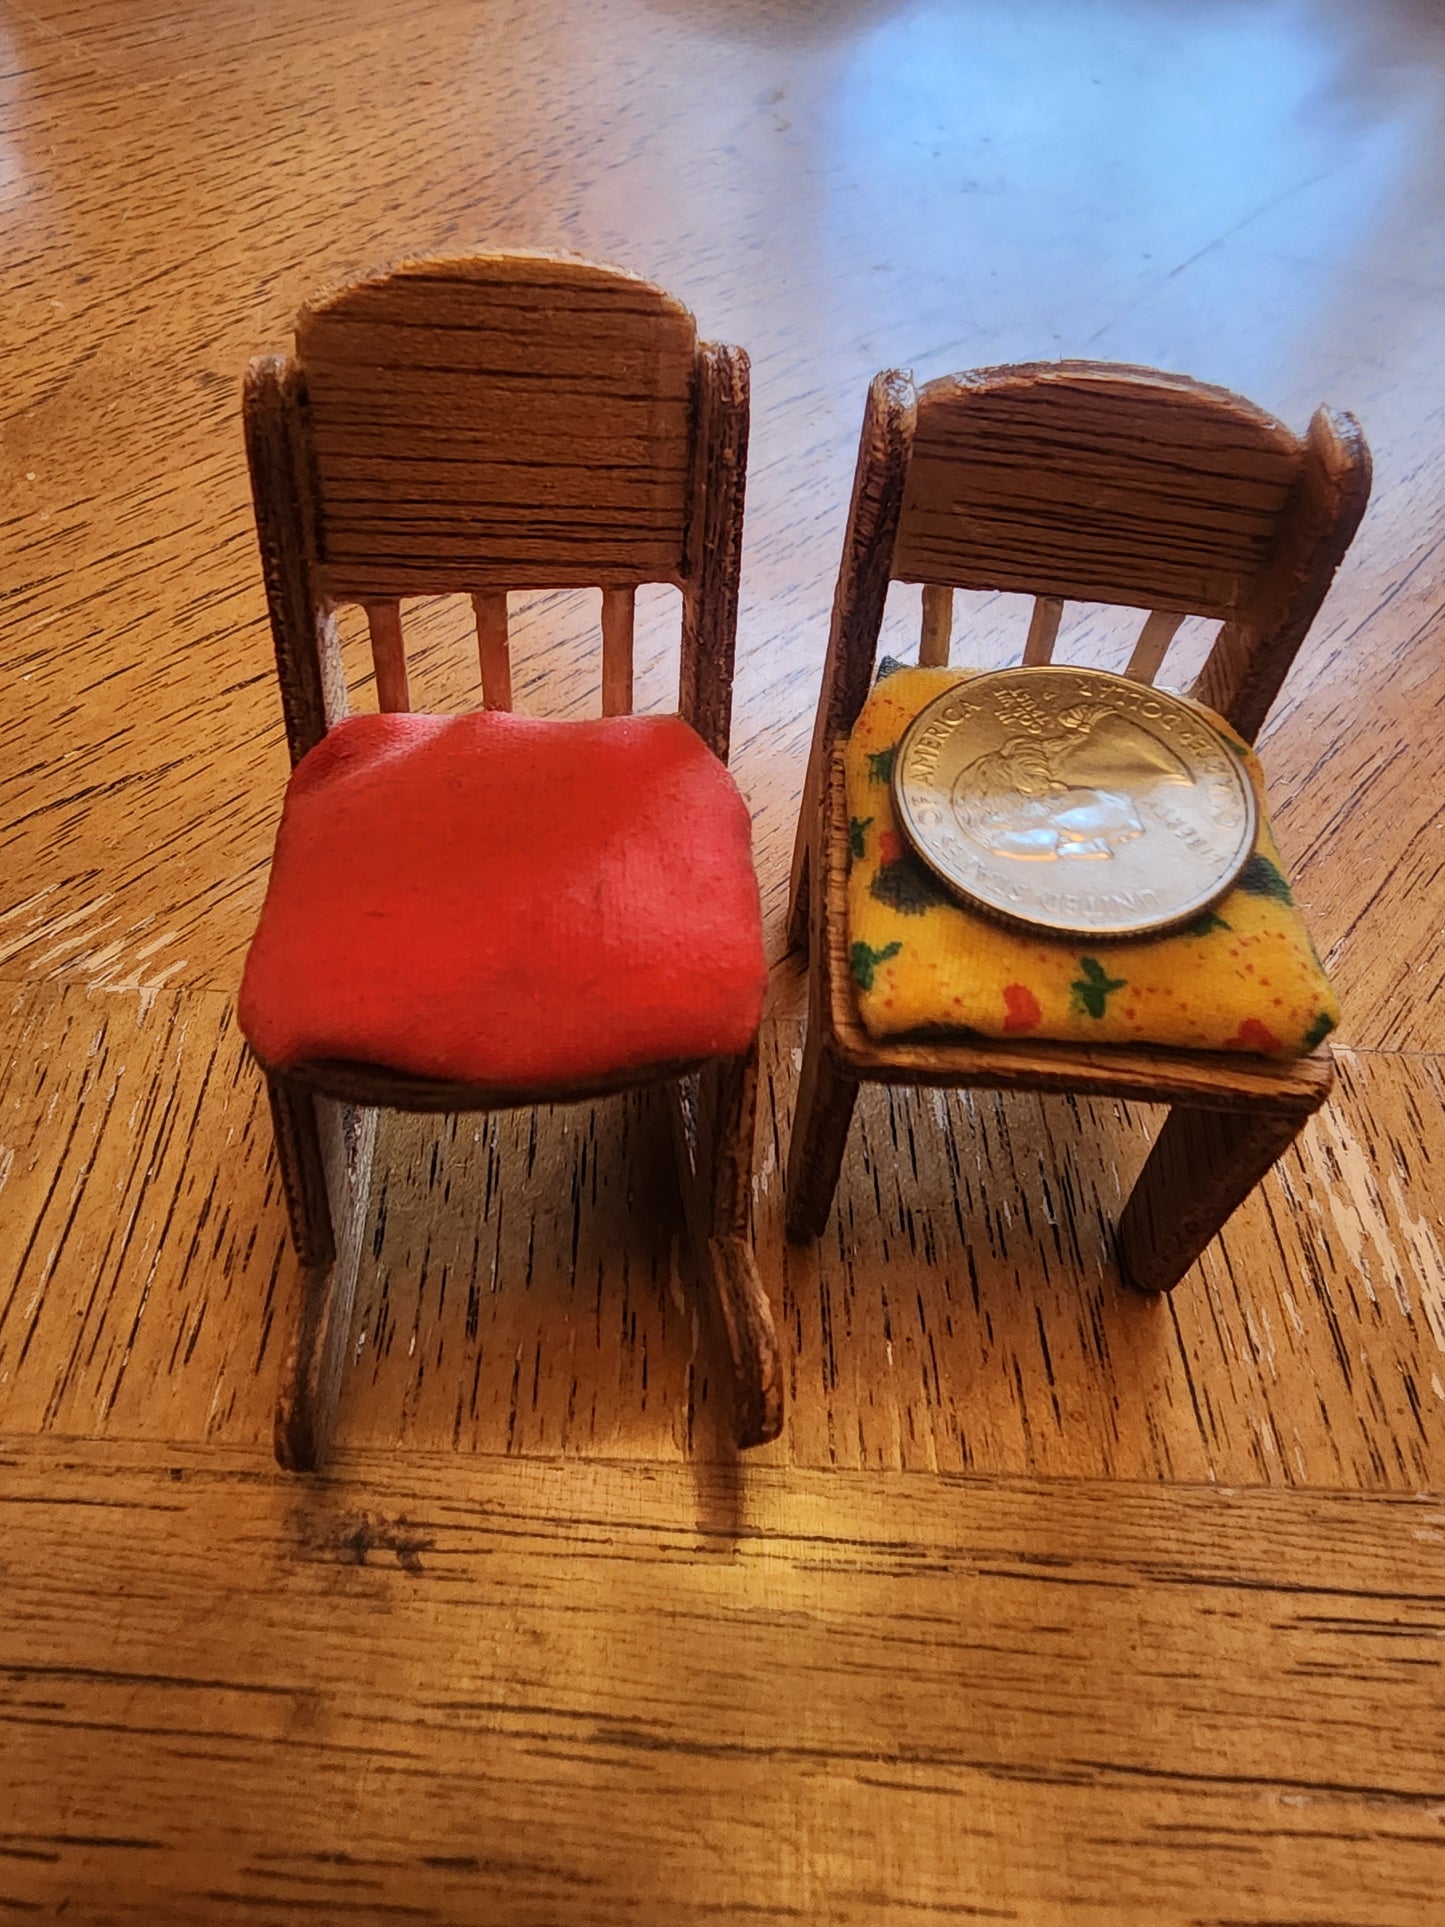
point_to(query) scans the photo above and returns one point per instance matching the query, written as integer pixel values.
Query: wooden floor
(1050, 1604)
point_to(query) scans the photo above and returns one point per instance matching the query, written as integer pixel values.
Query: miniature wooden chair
(1107, 484)
(496, 422)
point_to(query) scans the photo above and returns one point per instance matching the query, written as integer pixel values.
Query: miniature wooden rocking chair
(490, 911)
(1105, 484)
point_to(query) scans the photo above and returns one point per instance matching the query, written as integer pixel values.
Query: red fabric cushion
(500, 900)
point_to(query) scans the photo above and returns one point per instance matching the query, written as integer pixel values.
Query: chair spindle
(1154, 640)
(494, 647)
(1043, 630)
(619, 611)
(937, 626)
(388, 655)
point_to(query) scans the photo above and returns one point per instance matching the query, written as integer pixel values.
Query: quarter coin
(1074, 802)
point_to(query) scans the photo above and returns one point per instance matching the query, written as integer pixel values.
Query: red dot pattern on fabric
(1021, 1007)
(1253, 1035)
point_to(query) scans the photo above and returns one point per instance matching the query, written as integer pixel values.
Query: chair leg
(747, 1316)
(826, 1096)
(715, 1165)
(1203, 1166)
(303, 1169)
(798, 914)
(729, 1091)
(325, 1151)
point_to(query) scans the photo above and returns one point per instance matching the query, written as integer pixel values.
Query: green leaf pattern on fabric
(906, 886)
(1319, 1030)
(857, 849)
(1095, 987)
(1204, 925)
(880, 764)
(1259, 878)
(865, 962)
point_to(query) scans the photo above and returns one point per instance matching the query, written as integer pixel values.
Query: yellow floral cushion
(1243, 976)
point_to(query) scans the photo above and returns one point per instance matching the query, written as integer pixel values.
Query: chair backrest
(1103, 483)
(492, 422)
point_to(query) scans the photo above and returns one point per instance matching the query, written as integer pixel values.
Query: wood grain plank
(1062, 481)
(450, 1691)
(546, 435)
(521, 1293)
(524, 1286)
(133, 599)
(147, 1279)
